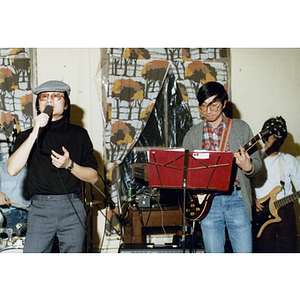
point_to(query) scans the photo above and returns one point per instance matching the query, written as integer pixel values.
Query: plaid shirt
(212, 136)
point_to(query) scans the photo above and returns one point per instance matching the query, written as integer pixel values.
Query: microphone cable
(90, 239)
(109, 221)
(76, 212)
(111, 205)
(83, 226)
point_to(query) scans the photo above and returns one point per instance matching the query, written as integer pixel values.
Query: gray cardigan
(240, 134)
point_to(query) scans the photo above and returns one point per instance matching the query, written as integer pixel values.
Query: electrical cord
(83, 226)
(162, 217)
(153, 195)
(78, 214)
(110, 204)
(130, 204)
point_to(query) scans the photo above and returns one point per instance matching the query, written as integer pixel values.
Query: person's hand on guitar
(243, 160)
(258, 206)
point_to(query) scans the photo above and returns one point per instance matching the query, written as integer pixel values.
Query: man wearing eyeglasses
(279, 170)
(59, 156)
(233, 207)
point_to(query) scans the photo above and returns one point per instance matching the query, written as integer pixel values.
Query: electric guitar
(198, 202)
(269, 214)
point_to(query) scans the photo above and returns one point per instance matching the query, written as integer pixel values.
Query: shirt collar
(263, 154)
(222, 123)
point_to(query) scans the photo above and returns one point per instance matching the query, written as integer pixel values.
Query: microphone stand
(84, 201)
(111, 205)
(91, 215)
(185, 169)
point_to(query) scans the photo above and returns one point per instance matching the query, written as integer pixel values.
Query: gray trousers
(54, 215)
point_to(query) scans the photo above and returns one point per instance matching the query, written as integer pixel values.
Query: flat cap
(52, 86)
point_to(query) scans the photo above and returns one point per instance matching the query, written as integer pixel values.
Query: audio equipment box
(155, 248)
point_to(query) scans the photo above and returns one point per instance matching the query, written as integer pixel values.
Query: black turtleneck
(44, 177)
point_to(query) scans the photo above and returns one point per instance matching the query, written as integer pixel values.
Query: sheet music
(164, 149)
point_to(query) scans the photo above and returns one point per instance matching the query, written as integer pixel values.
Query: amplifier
(155, 248)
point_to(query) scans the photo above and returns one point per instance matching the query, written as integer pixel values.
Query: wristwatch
(71, 166)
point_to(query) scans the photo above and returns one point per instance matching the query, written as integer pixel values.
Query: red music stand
(204, 170)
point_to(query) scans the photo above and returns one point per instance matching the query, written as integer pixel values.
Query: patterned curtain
(16, 94)
(131, 80)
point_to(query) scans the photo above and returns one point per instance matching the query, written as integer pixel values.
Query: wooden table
(140, 223)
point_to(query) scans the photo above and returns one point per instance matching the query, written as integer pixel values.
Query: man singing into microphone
(59, 155)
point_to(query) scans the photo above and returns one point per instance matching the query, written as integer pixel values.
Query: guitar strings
(265, 211)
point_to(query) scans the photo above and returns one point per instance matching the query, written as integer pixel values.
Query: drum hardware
(12, 244)
(9, 232)
(19, 227)
(16, 245)
(1, 218)
(4, 243)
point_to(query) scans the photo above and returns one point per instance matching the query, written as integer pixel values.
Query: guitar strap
(225, 134)
(282, 171)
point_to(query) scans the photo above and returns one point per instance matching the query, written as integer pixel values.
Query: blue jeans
(53, 216)
(227, 210)
(14, 216)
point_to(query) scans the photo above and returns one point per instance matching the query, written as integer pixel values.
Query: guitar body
(269, 214)
(197, 205)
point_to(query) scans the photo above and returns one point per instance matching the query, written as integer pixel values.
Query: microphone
(48, 110)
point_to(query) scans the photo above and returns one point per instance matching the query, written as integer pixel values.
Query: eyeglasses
(213, 106)
(53, 96)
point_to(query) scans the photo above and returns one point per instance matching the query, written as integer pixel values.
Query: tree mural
(131, 55)
(198, 73)
(153, 72)
(122, 135)
(127, 90)
(15, 93)
(7, 86)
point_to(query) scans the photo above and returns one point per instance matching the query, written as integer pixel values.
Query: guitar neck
(286, 200)
(254, 140)
(275, 125)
